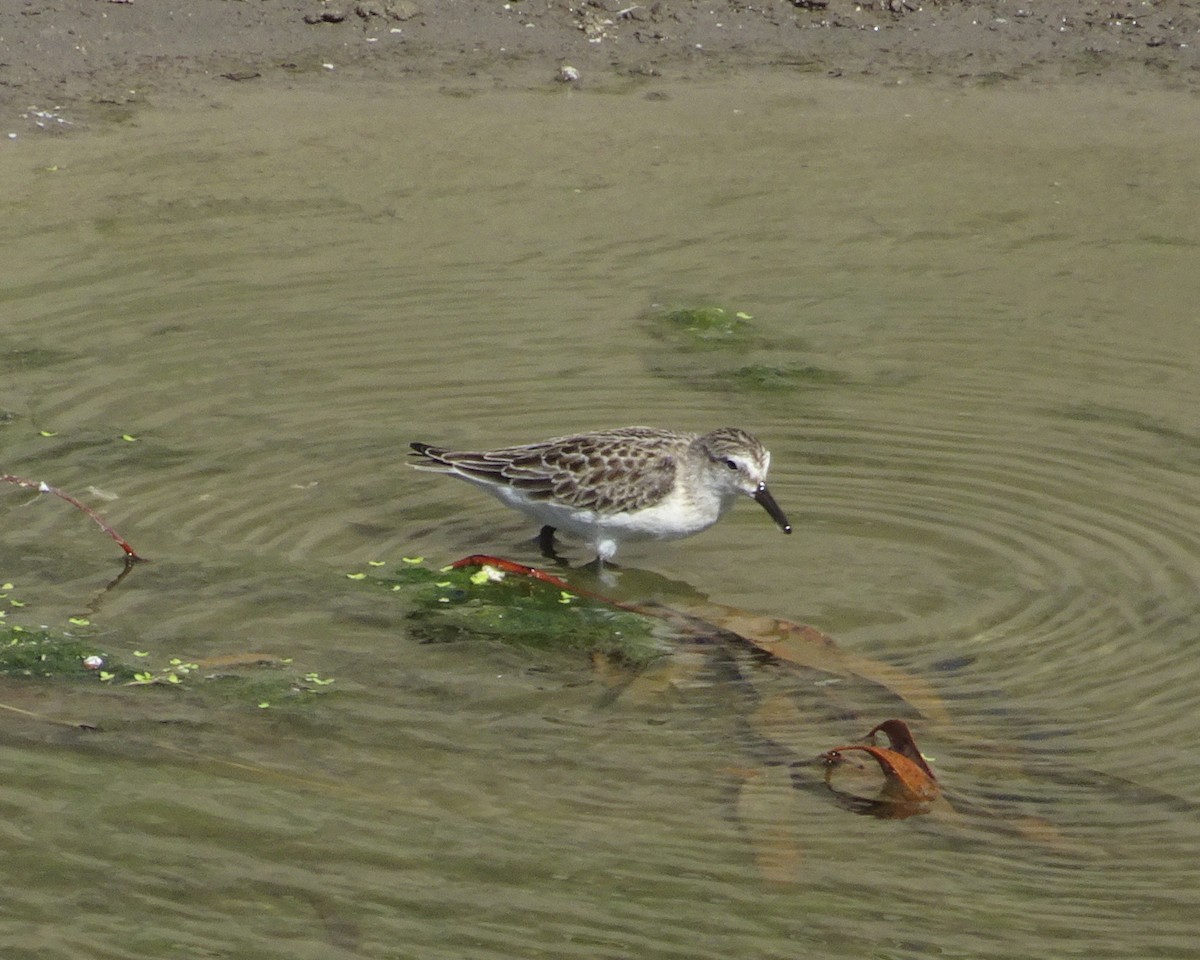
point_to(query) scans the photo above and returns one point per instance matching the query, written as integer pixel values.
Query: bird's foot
(545, 542)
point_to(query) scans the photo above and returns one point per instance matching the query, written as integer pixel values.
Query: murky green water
(975, 314)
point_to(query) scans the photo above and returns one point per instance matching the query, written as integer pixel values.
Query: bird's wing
(600, 472)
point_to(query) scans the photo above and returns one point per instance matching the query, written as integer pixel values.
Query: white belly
(673, 518)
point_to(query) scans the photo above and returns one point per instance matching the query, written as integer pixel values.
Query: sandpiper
(633, 483)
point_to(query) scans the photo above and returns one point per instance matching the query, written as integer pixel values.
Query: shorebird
(632, 483)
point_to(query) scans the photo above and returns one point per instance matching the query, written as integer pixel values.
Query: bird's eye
(731, 464)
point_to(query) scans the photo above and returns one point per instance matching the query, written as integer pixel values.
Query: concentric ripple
(1052, 547)
(972, 356)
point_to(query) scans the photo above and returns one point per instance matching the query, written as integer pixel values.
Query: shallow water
(976, 315)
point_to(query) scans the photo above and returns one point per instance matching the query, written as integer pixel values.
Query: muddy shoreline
(69, 64)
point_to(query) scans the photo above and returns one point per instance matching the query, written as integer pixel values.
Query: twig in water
(42, 487)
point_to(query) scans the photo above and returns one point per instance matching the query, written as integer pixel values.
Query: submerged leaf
(805, 646)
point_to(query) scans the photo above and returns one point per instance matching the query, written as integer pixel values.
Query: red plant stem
(43, 487)
(511, 566)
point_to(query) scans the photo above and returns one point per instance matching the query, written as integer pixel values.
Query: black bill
(763, 496)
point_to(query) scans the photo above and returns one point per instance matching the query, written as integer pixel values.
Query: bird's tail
(426, 456)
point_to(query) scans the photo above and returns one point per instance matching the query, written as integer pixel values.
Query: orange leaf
(901, 740)
(905, 781)
(909, 785)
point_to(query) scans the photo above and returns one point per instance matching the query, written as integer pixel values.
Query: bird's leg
(545, 539)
